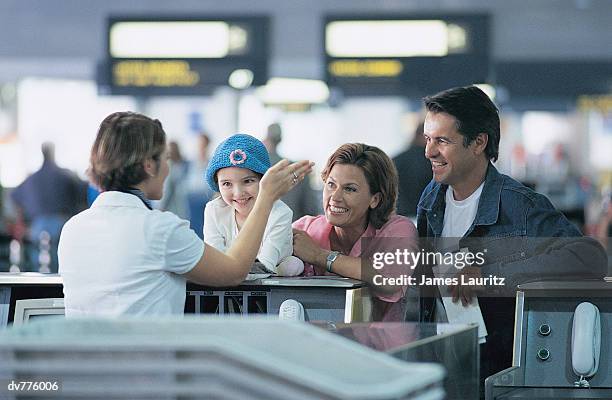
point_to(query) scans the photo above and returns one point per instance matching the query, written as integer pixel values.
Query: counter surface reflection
(454, 346)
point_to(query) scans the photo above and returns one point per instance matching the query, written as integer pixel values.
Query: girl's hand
(282, 177)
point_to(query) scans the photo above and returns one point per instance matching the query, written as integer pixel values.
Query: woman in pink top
(359, 197)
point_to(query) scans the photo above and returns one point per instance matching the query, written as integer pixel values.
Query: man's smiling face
(451, 161)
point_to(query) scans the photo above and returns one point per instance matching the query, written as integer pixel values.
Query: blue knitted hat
(239, 150)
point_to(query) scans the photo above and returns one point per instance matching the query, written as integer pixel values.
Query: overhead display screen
(184, 56)
(409, 55)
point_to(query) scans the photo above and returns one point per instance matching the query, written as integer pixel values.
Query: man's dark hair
(474, 113)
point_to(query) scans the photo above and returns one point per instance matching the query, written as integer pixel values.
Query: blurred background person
(3, 221)
(5, 237)
(92, 194)
(604, 228)
(562, 183)
(302, 200)
(175, 189)
(414, 174)
(45, 201)
(198, 191)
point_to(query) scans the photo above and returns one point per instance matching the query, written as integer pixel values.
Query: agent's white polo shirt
(120, 258)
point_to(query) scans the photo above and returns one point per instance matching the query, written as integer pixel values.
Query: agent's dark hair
(379, 171)
(123, 143)
(474, 113)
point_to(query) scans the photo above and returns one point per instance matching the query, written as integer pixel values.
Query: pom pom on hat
(239, 150)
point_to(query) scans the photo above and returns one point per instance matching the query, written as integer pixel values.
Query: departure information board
(184, 55)
(405, 54)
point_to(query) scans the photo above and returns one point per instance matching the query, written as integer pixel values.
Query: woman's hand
(306, 249)
(282, 177)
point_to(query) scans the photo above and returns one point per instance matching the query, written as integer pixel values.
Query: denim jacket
(506, 208)
(526, 237)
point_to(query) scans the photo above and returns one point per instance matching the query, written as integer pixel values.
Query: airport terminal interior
(452, 239)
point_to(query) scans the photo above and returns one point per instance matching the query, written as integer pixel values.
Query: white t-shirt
(459, 215)
(220, 231)
(120, 258)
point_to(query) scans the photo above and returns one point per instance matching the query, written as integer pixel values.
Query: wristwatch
(331, 257)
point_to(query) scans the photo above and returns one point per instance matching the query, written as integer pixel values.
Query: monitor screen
(36, 308)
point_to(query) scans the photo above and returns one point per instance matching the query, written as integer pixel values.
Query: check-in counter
(454, 346)
(562, 343)
(324, 298)
(25, 285)
(204, 358)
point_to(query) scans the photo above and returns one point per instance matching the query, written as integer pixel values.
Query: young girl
(234, 171)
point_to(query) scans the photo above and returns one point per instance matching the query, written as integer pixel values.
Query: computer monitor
(36, 308)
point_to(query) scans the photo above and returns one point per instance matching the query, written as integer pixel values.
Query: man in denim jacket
(524, 237)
